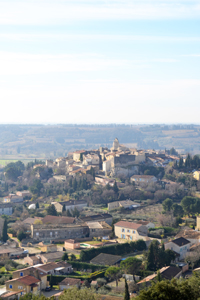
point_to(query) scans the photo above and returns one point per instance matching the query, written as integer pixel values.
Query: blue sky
(108, 61)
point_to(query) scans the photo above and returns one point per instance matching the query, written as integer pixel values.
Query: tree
(113, 273)
(78, 294)
(21, 235)
(127, 295)
(72, 257)
(115, 188)
(187, 204)
(51, 281)
(169, 290)
(51, 210)
(69, 213)
(167, 204)
(65, 256)
(131, 265)
(36, 187)
(63, 208)
(177, 210)
(5, 231)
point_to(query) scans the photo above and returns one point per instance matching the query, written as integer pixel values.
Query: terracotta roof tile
(126, 224)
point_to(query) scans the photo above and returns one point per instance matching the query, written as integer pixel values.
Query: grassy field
(5, 162)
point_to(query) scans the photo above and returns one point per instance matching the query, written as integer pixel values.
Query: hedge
(82, 265)
(117, 249)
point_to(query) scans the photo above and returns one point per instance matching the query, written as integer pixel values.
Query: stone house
(48, 232)
(32, 260)
(130, 231)
(48, 248)
(69, 205)
(99, 229)
(98, 218)
(50, 257)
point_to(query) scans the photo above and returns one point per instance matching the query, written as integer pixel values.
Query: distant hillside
(30, 141)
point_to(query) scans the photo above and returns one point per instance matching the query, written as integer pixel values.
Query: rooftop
(106, 259)
(57, 220)
(126, 224)
(70, 281)
(180, 241)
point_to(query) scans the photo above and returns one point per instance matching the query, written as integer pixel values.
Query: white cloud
(101, 101)
(24, 63)
(59, 12)
(105, 37)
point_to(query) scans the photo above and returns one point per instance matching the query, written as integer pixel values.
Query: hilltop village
(110, 220)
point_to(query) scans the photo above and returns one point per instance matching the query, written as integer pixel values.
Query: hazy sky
(109, 61)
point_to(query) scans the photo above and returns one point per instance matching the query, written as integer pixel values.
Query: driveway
(50, 293)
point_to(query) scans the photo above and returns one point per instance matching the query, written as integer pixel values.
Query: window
(131, 238)
(128, 230)
(121, 236)
(50, 233)
(133, 231)
(10, 286)
(21, 274)
(20, 287)
(123, 230)
(37, 233)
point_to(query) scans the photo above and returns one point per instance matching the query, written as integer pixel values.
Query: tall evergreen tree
(115, 188)
(5, 231)
(127, 295)
(63, 208)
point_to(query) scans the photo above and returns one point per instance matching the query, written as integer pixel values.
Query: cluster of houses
(113, 162)
(72, 232)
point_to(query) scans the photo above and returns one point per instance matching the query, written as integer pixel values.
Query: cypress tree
(127, 295)
(5, 229)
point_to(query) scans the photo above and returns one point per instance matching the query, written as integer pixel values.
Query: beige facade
(198, 224)
(48, 248)
(71, 244)
(25, 285)
(130, 231)
(123, 203)
(196, 175)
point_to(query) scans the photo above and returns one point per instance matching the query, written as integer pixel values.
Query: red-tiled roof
(126, 224)
(28, 280)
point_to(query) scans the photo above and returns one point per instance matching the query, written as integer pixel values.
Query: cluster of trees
(14, 170)
(190, 162)
(130, 265)
(169, 206)
(118, 249)
(158, 257)
(188, 205)
(182, 289)
(78, 185)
